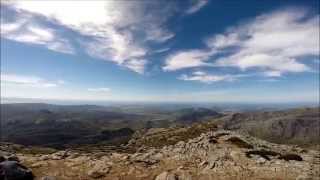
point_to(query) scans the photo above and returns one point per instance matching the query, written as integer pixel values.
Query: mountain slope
(213, 155)
(296, 126)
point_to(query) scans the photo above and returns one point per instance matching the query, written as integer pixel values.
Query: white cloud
(25, 30)
(207, 78)
(272, 73)
(187, 59)
(104, 89)
(272, 42)
(137, 65)
(161, 50)
(117, 47)
(159, 35)
(196, 6)
(266, 61)
(118, 31)
(31, 81)
(199, 73)
(223, 41)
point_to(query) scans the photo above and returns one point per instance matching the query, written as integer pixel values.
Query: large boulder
(12, 170)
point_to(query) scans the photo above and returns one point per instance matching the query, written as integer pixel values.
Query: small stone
(99, 170)
(303, 177)
(48, 178)
(116, 155)
(261, 161)
(211, 165)
(73, 155)
(185, 176)
(13, 158)
(203, 163)
(44, 157)
(166, 176)
(39, 164)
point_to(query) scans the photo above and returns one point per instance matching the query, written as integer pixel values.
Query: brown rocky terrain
(299, 126)
(215, 154)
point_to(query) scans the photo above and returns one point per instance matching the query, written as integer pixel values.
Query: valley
(97, 142)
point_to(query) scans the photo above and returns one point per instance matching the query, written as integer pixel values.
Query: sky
(161, 51)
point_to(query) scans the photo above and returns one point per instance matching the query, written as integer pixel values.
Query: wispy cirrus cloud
(196, 6)
(26, 30)
(31, 81)
(117, 31)
(272, 73)
(187, 59)
(103, 89)
(205, 77)
(273, 43)
(161, 50)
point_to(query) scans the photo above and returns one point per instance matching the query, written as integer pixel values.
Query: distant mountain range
(294, 126)
(60, 126)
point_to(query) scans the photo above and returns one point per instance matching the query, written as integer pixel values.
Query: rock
(166, 176)
(261, 160)
(180, 144)
(39, 164)
(236, 155)
(95, 174)
(185, 176)
(116, 155)
(212, 140)
(239, 142)
(12, 170)
(60, 155)
(2, 158)
(220, 134)
(80, 160)
(211, 165)
(55, 157)
(44, 157)
(303, 177)
(99, 170)
(203, 163)
(48, 178)
(125, 157)
(266, 154)
(144, 158)
(289, 157)
(73, 155)
(13, 158)
(158, 156)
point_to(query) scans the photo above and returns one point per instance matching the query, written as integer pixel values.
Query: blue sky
(165, 51)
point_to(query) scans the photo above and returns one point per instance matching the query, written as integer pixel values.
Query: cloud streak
(115, 31)
(273, 43)
(196, 6)
(204, 77)
(187, 59)
(104, 89)
(26, 30)
(31, 81)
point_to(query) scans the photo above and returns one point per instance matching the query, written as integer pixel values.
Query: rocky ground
(216, 154)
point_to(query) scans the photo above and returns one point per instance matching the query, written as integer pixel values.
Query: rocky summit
(216, 154)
